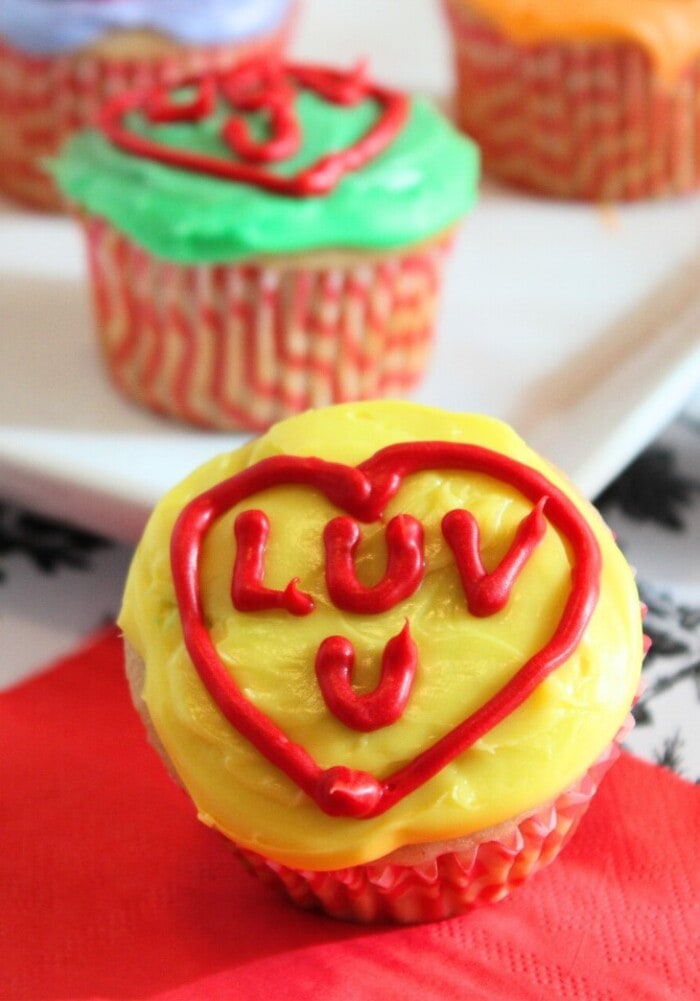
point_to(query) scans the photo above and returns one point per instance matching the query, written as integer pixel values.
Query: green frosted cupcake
(268, 239)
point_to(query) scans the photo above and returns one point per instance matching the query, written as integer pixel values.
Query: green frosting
(421, 184)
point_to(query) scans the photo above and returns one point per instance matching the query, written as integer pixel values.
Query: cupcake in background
(597, 100)
(390, 653)
(61, 59)
(267, 239)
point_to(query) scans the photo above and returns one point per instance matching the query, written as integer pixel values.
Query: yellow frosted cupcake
(389, 652)
(598, 99)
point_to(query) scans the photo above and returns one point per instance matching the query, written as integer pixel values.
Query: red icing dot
(345, 792)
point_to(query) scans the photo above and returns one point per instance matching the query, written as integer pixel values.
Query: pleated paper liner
(242, 345)
(454, 882)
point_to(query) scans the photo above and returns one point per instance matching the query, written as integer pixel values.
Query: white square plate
(580, 325)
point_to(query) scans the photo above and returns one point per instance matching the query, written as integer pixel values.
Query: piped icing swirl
(667, 30)
(344, 164)
(437, 651)
(49, 27)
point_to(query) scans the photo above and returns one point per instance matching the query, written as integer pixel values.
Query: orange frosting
(668, 30)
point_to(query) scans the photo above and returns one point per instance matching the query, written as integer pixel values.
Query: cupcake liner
(43, 100)
(575, 120)
(451, 883)
(245, 344)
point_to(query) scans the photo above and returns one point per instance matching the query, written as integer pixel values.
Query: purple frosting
(47, 27)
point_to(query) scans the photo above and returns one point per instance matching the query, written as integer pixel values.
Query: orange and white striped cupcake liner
(245, 344)
(575, 120)
(45, 99)
(451, 883)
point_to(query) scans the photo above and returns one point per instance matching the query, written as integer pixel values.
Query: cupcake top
(668, 30)
(49, 27)
(271, 159)
(379, 625)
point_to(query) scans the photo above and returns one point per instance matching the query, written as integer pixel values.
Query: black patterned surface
(48, 545)
(654, 507)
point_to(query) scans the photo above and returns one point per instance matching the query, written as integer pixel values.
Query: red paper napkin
(110, 888)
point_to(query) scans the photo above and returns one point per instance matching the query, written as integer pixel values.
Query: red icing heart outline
(318, 178)
(363, 492)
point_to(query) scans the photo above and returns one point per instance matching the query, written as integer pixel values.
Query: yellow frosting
(523, 762)
(668, 30)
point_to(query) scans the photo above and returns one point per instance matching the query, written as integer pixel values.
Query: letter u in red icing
(334, 664)
(404, 568)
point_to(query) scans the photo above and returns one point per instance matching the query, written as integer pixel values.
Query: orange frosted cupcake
(389, 652)
(592, 100)
(61, 59)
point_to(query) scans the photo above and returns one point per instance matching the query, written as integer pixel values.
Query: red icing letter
(404, 568)
(262, 88)
(160, 107)
(248, 593)
(487, 593)
(383, 706)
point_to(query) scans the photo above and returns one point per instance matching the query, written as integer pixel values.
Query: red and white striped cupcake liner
(450, 884)
(44, 100)
(245, 344)
(575, 120)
